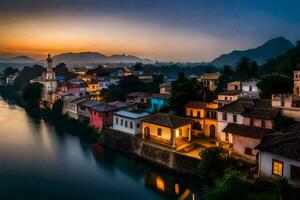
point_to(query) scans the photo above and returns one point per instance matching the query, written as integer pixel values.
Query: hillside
(270, 49)
(17, 59)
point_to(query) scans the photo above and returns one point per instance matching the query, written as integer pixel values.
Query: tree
(212, 163)
(32, 94)
(243, 68)
(226, 76)
(62, 70)
(99, 71)
(57, 108)
(138, 66)
(10, 71)
(274, 84)
(232, 186)
(27, 74)
(285, 190)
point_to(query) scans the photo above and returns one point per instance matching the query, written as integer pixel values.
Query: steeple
(296, 78)
(50, 74)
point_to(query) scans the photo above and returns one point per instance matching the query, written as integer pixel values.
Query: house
(84, 109)
(128, 121)
(167, 130)
(93, 87)
(279, 157)
(104, 82)
(101, 115)
(228, 96)
(289, 104)
(70, 106)
(210, 80)
(138, 97)
(235, 85)
(157, 101)
(204, 116)
(249, 89)
(10, 80)
(146, 78)
(244, 140)
(165, 88)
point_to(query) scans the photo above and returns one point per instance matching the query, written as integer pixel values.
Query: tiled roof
(231, 92)
(263, 103)
(196, 105)
(89, 103)
(78, 100)
(119, 104)
(161, 96)
(283, 144)
(247, 131)
(139, 94)
(261, 113)
(237, 106)
(167, 120)
(132, 114)
(104, 107)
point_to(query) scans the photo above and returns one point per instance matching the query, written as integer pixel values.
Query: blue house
(157, 101)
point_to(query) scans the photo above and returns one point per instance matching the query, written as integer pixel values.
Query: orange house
(204, 116)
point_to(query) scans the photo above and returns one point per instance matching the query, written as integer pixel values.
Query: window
(117, 120)
(99, 114)
(131, 125)
(121, 122)
(277, 168)
(282, 103)
(263, 123)
(248, 151)
(126, 123)
(159, 131)
(252, 122)
(226, 98)
(191, 113)
(198, 114)
(227, 137)
(224, 116)
(142, 100)
(138, 125)
(295, 173)
(234, 118)
(250, 88)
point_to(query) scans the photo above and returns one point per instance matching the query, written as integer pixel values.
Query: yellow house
(167, 129)
(93, 87)
(204, 116)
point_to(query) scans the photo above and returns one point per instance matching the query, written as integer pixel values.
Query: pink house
(102, 115)
(257, 122)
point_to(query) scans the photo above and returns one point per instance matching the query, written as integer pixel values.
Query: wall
(228, 97)
(239, 145)
(134, 130)
(166, 132)
(96, 119)
(265, 167)
(257, 122)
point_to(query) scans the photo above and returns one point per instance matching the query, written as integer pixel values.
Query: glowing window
(277, 168)
(160, 184)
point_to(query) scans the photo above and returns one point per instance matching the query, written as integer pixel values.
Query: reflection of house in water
(168, 187)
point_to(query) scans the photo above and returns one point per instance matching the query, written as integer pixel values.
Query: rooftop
(167, 120)
(132, 114)
(119, 104)
(89, 103)
(139, 94)
(261, 113)
(196, 105)
(246, 131)
(231, 92)
(161, 96)
(104, 107)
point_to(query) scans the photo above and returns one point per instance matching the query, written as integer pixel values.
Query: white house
(70, 106)
(128, 121)
(249, 89)
(279, 157)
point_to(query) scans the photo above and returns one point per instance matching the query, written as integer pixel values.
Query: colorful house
(210, 80)
(101, 115)
(138, 97)
(157, 101)
(167, 129)
(204, 116)
(84, 109)
(228, 96)
(70, 106)
(129, 121)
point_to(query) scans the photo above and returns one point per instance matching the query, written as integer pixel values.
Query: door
(212, 131)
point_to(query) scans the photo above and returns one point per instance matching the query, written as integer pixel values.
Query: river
(39, 162)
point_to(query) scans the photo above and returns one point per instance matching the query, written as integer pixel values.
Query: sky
(165, 30)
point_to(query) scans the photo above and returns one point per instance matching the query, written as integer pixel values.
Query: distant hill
(18, 59)
(270, 49)
(94, 57)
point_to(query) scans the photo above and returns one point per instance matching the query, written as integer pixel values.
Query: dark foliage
(62, 70)
(281, 122)
(99, 71)
(27, 74)
(31, 95)
(10, 71)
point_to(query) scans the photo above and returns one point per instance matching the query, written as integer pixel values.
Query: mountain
(94, 57)
(270, 49)
(17, 59)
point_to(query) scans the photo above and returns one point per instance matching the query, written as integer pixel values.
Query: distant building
(235, 85)
(210, 80)
(84, 109)
(167, 130)
(101, 115)
(70, 106)
(290, 103)
(279, 157)
(49, 82)
(228, 96)
(249, 89)
(128, 121)
(138, 97)
(157, 101)
(165, 88)
(10, 80)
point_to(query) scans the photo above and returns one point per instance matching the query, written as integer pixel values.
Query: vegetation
(285, 190)
(281, 122)
(99, 71)
(274, 84)
(31, 96)
(62, 70)
(235, 186)
(10, 71)
(27, 74)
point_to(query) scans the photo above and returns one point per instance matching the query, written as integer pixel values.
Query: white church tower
(296, 80)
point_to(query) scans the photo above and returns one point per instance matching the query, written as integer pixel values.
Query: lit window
(277, 168)
(160, 184)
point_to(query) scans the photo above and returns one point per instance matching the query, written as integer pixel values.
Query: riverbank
(149, 152)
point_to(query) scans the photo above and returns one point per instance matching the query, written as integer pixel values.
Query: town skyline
(166, 31)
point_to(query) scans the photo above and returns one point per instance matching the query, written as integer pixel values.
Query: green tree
(285, 190)
(27, 74)
(212, 164)
(57, 108)
(138, 66)
(243, 68)
(274, 84)
(227, 76)
(99, 71)
(31, 95)
(10, 71)
(62, 70)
